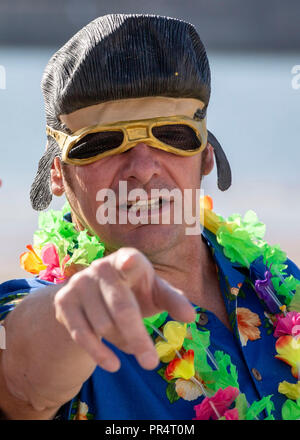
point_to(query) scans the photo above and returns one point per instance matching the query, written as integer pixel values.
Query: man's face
(142, 167)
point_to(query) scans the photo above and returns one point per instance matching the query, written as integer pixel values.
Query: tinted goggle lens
(96, 143)
(179, 136)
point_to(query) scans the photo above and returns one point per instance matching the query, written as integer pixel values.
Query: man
(81, 349)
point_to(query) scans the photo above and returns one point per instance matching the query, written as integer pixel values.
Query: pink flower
(221, 401)
(49, 255)
(287, 325)
(231, 414)
(53, 272)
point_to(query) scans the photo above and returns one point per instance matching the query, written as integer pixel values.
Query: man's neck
(190, 269)
(194, 271)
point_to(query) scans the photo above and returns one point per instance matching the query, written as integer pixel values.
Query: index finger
(167, 297)
(125, 312)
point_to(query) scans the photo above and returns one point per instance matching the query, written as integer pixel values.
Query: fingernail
(110, 366)
(148, 360)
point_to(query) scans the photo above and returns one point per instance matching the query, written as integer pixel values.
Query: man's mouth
(148, 205)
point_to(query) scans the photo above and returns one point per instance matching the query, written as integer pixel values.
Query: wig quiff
(119, 57)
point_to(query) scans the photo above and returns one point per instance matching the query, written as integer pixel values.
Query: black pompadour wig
(119, 57)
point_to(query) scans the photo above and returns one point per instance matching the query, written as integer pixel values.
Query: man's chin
(148, 238)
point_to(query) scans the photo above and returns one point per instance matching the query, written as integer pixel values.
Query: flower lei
(59, 251)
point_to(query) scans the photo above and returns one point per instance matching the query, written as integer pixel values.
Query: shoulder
(258, 268)
(292, 269)
(13, 291)
(21, 285)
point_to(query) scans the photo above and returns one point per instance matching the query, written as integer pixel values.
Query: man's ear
(57, 184)
(207, 159)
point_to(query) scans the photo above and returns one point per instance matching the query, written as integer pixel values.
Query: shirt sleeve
(13, 291)
(293, 269)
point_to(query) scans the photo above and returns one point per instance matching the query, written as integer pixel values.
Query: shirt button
(203, 319)
(256, 374)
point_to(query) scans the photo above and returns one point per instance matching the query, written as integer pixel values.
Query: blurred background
(254, 110)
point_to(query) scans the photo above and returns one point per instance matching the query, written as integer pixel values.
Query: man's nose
(141, 163)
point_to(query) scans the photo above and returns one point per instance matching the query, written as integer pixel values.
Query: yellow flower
(211, 220)
(288, 349)
(181, 367)
(175, 333)
(290, 390)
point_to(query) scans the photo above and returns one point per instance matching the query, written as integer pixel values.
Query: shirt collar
(233, 272)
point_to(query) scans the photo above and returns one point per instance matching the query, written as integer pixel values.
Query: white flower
(187, 389)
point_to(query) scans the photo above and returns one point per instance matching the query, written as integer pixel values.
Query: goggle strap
(223, 167)
(200, 114)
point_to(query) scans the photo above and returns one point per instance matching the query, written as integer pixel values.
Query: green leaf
(91, 244)
(258, 406)
(156, 320)
(242, 406)
(290, 410)
(199, 337)
(242, 293)
(80, 256)
(250, 224)
(273, 255)
(75, 405)
(200, 341)
(171, 393)
(228, 375)
(253, 226)
(63, 248)
(161, 372)
(54, 229)
(290, 283)
(295, 301)
(232, 318)
(238, 246)
(66, 208)
(90, 416)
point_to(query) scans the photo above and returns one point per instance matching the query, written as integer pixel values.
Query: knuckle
(133, 265)
(66, 295)
(77, 282)
(76, 277)
(103, 328)
(123, 308)
(99, 355)
(79, 335)
(128, 251)
(60, 299)
(114, 286)
(127, 255)
(102, 270)
(139, 344)
(101, 359)
(107, 363)
(102, 264)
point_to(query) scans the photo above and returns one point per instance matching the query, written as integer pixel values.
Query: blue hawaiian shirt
(133, 393)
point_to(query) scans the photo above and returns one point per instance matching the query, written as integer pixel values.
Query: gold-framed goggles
(179, 135)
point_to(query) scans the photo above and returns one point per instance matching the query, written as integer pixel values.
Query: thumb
(132, 265)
